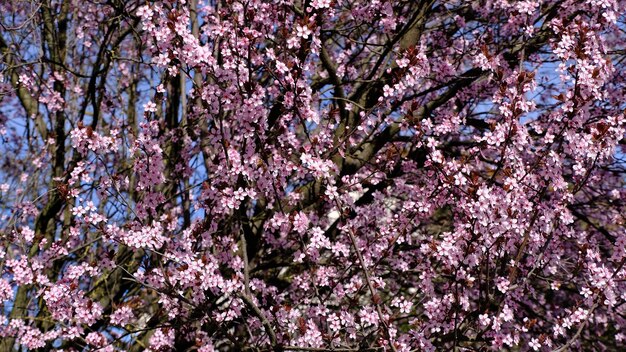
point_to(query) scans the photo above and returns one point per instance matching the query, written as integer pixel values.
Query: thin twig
(371, 289)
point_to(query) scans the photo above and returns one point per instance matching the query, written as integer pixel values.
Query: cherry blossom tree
(312, 175)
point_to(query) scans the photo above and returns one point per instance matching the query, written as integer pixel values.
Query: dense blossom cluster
(324, 175)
